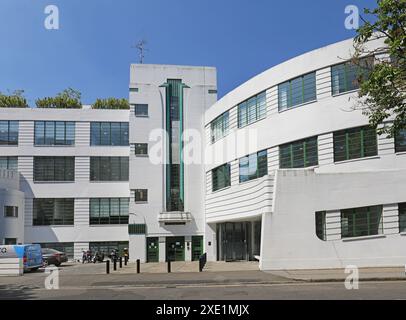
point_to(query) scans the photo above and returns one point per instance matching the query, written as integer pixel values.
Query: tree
(111, 103)
(383, 92)
(67, 99)
(14, 100)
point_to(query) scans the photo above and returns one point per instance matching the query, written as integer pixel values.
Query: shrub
(111, 103)
(67, 99)
(15, 100)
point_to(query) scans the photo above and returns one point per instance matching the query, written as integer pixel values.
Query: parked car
(52, 256)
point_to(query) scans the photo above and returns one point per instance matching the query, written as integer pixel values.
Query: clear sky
(92, 52)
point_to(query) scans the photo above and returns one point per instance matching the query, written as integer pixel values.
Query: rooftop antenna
(141, 48)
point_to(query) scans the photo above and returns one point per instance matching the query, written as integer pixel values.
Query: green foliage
(67, 99)
(111, 103)
(15, 100)
(383, 93)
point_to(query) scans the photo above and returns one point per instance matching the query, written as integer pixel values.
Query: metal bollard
(138, 266)
(115, 264)
(107, 266)
(121, 262)
(125, 260)
(169, 266)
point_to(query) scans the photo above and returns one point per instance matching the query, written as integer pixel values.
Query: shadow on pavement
(16, 292)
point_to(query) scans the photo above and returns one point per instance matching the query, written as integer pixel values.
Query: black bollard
(121, 262)
(115, 264)
(125, 260)
(138, 266)
(107, 266)
(169, 266)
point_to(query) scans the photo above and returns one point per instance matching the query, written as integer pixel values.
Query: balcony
(175, 217)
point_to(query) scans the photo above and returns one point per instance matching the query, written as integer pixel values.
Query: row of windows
(109, 134)
(348, 144)
(360, 222)
(109, 210)
(293, 93)
(109, 169)
(54, 133)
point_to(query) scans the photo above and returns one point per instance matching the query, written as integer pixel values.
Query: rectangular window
(137, 229)
(141, 110)
(402, 217)
(54, 133)
(221, 177)
(66, 247)
(109, 134)
(141, 195)
(400, 141)
(297, 91)
(11, 212)
(8, 133)
(10, 241)
(361, 222)
(254, 166)
(108, 168)
(48, 212)
(9, 163)
(355, 143)
(107, 247)
(108, 210)
(345, 76)
(219, 127)
(54, 169)
(321, 225)
(141, 149)
(299, 154)
(252, 110)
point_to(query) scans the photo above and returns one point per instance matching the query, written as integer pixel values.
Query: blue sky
(92, 50)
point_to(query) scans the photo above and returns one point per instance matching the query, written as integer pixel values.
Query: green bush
(67, 99)
(111, 103)
(15, 100)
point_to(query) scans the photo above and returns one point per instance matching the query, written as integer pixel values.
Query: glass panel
(39, 132)
(60, 133)
(3, 132)
(141, 110)
(95, 133)
(283, 94)
(13, 133)
(400, 141)
(115, 134)
(49, 133)
(124, 134)
(105, 134)
(70, 133)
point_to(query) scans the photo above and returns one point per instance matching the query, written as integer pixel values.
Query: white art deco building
(293, 176)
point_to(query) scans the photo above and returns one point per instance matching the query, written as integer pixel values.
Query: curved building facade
(295, 177)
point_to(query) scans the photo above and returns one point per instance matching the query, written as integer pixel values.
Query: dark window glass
(299, 154)
(108, 210)
(402, 217)
(221, 177)
(53, 212)
(345, 76)
(109, 169)
(253, 166)
(8, 132)
(141, 149)
(219, 127)
(141, 195)
(109, 134)
(141, 110)
(10, 241)
(54, 169)
(360, 222)
(66, 247)
(54, 133)
(321, 225)
(107, 247)
(400, 141)
(11, 212)
(297, 91)
(355, 143)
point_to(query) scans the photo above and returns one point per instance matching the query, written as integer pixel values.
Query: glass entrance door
(233, 238)
(197, 247)
(175, 248)
(152, 249)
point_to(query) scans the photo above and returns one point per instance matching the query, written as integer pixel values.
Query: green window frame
(9, 163)
(360, 222)
(54, 169)
(221, 177)
(400, 141)
(345, 76)
(108, 211)
(220, 127)
(355, 143)
(252, 110)
(253, 166)
(402, 217)
(321, 225)
(134, 229)
(299, 154)
(297, 91)
(50, 211)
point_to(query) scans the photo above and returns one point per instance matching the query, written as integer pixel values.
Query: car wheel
(57, 264)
